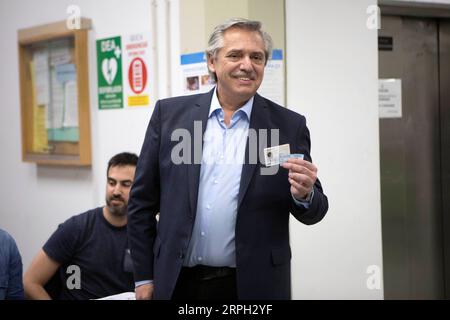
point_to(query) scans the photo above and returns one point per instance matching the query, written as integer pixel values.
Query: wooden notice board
(54, 94)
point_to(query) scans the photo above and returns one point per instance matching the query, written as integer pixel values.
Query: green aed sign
(109, 71)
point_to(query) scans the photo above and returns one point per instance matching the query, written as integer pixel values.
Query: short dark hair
(123, 159)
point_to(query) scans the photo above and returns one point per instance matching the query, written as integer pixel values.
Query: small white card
(285, 158)
(272, 155)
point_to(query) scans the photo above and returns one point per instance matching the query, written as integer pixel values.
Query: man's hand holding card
(302, 173)
(302, 176)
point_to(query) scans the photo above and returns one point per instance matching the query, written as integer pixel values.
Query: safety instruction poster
(138, 69)
(109, 73)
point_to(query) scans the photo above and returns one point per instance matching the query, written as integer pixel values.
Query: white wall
(332, 71)
(36, 199)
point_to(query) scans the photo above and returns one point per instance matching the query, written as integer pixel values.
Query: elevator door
(410, 155)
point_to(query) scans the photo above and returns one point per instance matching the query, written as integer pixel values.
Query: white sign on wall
(272, 86)
(390, 98)
(196, 78)
(137, 69)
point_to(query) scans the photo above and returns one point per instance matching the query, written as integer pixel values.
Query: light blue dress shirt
(212, 241)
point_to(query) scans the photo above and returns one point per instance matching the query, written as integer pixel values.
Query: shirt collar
(215, 105)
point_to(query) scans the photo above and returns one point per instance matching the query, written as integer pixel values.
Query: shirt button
(199, 258)
(208, 206)
(202, 233)
(216, 182)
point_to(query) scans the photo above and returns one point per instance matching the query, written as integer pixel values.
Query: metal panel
(444, 76)
(414, 9)
(410, 163)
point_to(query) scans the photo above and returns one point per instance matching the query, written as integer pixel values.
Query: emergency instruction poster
(109, 73)
(138, 69)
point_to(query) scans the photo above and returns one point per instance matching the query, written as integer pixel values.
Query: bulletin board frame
(75, 152)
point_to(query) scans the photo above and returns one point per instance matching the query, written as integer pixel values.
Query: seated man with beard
(90, 250)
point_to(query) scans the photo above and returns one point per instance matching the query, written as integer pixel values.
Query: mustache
(242, 74)
(116, 198)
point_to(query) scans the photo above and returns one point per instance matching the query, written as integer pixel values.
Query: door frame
(440, 12)
(414, 9)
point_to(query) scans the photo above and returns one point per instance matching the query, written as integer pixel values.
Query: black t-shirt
(99, 249)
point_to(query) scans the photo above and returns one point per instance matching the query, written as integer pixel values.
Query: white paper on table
(71, 107)
(120, 296)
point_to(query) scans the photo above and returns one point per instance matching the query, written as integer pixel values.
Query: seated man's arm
(38, 274)
(15, 285)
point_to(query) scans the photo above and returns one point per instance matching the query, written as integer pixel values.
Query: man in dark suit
(223, 229)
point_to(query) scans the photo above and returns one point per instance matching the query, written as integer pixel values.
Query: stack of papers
(120, 296)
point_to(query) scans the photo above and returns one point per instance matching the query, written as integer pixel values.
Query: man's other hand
(144, 292)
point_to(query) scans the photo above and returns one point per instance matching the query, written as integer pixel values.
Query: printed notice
(390, 98)
(71, 104)
(272, 86)
(138, 69)
(40, 139)
(42, 76)
(196, 78)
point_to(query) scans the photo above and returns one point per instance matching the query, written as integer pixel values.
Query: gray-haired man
(223, 231)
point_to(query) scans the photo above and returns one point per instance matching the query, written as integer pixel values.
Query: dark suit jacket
(263, 252)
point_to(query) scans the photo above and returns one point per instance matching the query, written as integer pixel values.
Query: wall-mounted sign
(272, 86)
(385, 43)
(138, 69)
(109, 73)
(196, 78)
(390, 98)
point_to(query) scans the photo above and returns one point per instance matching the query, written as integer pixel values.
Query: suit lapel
(199, 115)
(258, 120)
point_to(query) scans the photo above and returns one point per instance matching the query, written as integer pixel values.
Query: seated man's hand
(144, 292)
